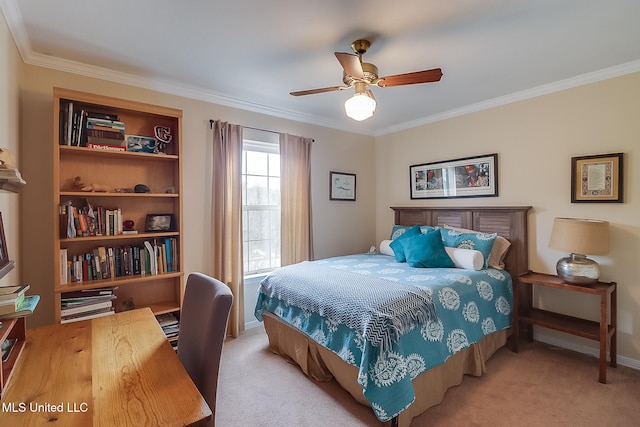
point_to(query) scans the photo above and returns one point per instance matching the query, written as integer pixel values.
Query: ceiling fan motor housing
(370, 75)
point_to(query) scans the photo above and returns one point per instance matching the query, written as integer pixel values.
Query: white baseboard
(625, 361)
(252, 324)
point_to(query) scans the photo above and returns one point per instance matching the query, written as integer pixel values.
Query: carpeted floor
(539, 386)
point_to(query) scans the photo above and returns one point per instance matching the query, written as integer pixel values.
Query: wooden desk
(111, 371)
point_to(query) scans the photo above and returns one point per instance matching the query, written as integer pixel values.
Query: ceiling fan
(361, 75)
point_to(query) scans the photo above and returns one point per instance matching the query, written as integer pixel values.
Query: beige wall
(351, 225)
(10, 71)
(535, 140)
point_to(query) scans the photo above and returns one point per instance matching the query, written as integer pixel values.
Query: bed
(398, 358)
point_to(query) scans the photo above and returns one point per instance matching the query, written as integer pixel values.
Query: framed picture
(596, 178)
(4, 254)
(342, 186)
(467, 177)
(159, 222)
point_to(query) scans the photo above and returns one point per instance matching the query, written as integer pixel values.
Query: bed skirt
(322, 364)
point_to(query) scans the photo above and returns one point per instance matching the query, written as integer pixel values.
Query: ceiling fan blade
(351, 64)
(426, 76)
(321, 90)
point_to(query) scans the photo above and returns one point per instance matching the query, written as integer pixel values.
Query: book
(9, 306)
(84, 293)
(64, 278)
(88, 315)
(26, 308)
(84, 308)
(106, 147)
(12, 292)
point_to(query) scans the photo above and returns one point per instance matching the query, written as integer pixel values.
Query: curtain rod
(247, 127)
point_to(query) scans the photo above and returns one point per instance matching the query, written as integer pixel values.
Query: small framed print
(597, 178)
(156, 223)
(342, 186)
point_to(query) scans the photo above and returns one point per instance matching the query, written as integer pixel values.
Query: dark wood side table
(602, 331)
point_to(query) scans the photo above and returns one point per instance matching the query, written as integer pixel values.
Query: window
(260, 203)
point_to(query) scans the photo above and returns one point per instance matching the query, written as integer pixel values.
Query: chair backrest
(203, 324)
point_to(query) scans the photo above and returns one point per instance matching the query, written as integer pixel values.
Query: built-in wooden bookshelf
(78, 171)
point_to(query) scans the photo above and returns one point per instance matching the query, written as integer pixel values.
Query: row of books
(82, 128)
(170, 325)
(86, 304)
(14, 302)
(155, 256)
(89, 221)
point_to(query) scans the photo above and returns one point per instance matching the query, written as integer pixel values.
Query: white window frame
(265, 142)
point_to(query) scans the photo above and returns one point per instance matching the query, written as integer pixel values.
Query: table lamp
(579, 237)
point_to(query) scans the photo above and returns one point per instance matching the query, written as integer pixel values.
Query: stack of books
(170, 324)
(15, 303)
(105, 132)
(11, 297)
(86, 304)
(82, 128)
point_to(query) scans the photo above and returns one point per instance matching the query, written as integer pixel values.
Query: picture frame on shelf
(475, 176)
(157, 223)
(597, 178)
(342, 186)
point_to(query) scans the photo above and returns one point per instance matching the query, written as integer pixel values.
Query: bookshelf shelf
(82, 151)
(147, 236)
(118, 281)
(114, 174)
(128, 195)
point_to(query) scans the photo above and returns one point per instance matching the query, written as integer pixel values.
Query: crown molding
(581, 80)
(21, 38)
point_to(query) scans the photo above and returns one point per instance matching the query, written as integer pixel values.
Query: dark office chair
(203, 324)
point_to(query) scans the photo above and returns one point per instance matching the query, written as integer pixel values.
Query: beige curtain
(226, 212)
(295, 178)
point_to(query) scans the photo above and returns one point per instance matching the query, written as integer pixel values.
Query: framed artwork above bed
(466, 177)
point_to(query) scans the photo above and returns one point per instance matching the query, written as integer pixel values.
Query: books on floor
(86, 304)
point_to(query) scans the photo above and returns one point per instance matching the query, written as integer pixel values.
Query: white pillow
(385, 248)
(467, 259)
(498, 252)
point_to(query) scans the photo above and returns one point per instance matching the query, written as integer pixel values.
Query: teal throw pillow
(396, 245)
(399, 230)
(426, 251)
(482, 242)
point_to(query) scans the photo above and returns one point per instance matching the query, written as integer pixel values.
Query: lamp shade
(580, 236)
(360, 106)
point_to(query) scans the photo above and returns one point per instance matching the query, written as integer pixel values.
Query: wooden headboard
(509, 222)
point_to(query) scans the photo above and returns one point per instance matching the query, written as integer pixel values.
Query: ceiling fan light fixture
(360, 106)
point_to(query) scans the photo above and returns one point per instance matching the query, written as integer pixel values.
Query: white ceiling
(251, 54)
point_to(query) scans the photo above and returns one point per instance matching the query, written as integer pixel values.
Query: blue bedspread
(468, 305)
